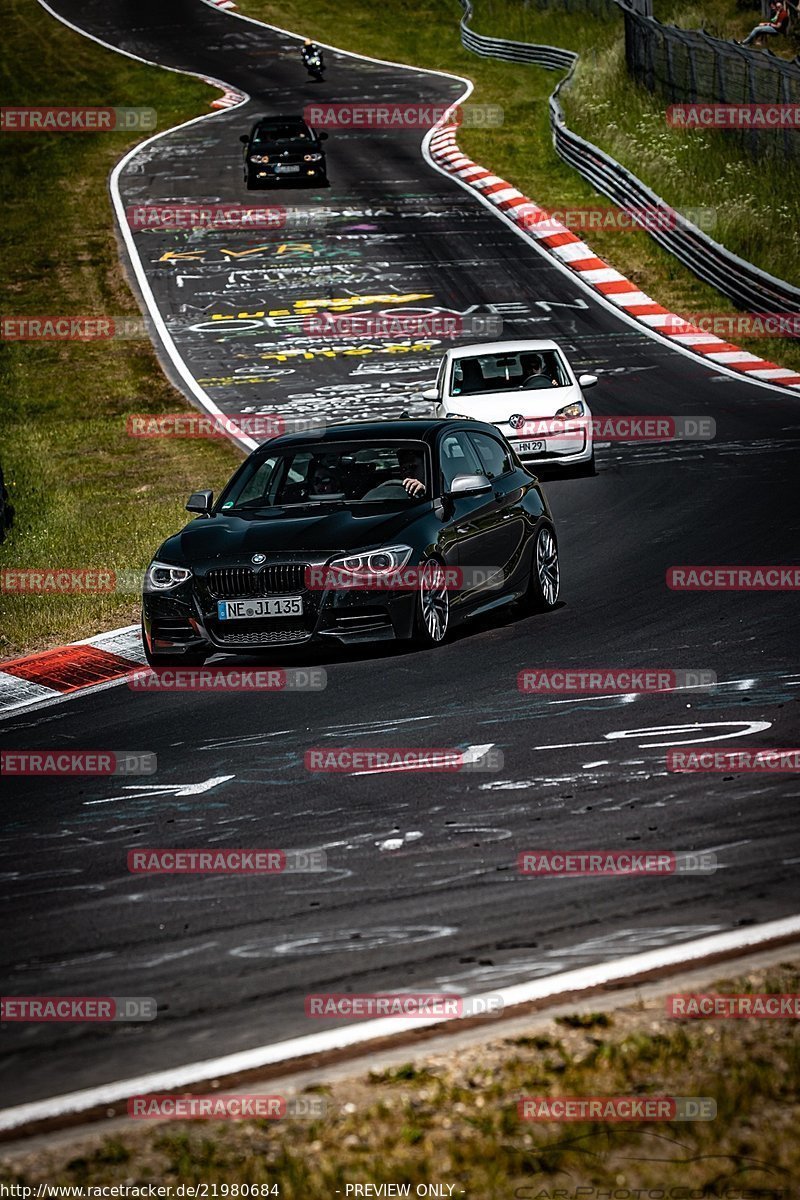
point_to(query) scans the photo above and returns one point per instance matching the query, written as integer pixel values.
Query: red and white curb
(97, 663)
(230, 98)
(578, 257)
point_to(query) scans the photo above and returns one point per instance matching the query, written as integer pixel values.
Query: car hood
(497, 407)
(232, 539)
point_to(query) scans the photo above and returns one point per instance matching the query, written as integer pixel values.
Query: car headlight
(259, 158)
(461, 416)
(374, 562)
(312, 157)
(576, 409)
(162, 576)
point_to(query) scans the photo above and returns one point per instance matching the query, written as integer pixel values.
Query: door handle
(506, 516)
(464, 528)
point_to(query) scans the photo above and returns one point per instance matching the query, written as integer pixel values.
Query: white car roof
(503, 347)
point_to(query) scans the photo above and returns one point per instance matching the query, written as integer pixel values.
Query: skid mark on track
(550, 961)
(343, 940)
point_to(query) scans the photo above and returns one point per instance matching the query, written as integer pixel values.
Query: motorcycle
(314, 65)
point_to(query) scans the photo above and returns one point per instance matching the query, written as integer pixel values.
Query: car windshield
(278, 134)
(329, 473)
(480, 374)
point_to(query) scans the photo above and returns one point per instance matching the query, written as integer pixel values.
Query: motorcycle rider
(309, 51)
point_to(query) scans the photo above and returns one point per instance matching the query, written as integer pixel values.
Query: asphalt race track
(422, 890)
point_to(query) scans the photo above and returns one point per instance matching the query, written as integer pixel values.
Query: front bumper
(264, 173)
(186, 620)
(566, 451)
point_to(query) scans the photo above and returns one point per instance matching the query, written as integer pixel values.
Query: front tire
(545, 581)
(432, 615)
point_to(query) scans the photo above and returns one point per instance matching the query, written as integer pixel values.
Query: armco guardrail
(521, 52)
(746, 285)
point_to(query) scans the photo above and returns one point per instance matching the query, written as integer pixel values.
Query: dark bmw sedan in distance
(381, 530)
(283, 149)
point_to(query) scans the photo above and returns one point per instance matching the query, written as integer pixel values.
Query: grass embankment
(756, 207)
(454, 1120)
(85, 494)
(727, 19)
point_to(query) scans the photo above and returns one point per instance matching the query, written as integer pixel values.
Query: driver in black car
(410, 474)
(324, 481)
(413, 471)
(534, 373)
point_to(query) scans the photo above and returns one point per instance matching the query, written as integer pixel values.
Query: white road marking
(147, 790)
(743, 729)
(472, 754)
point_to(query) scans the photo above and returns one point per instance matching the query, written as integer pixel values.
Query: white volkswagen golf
(529, 391)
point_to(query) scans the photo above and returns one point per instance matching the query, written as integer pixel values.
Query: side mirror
(587, 381)
(200, 502)
(469, 485)
(322, 137)
(430, 394)
(244, 139)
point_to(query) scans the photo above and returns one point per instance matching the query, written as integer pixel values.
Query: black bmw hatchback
(283, 149)
(381, 530)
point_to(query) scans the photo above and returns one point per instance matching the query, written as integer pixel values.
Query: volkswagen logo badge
(258, 559)
(516, 420)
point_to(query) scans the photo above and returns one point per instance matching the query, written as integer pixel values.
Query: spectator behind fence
(777, 24)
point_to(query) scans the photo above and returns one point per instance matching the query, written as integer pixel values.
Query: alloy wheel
(434, 600)
(547, 566)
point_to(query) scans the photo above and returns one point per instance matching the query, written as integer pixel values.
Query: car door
(475, 523)
(509, 525)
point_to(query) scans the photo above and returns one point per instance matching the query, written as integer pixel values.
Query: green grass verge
(85, 494)
(454, 1119)
(425, 34)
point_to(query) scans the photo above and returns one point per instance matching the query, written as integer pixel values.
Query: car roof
(524, 344)
(413, 429)
(280, 119)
